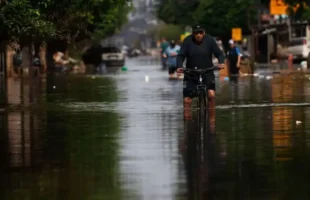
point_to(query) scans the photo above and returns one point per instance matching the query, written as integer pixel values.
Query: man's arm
(218, 53)
(164, 54)
(239, 56)
(182, 54)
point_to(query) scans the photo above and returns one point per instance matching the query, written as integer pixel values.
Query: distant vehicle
(112, 56)
(133, 52)
(125, 49)
(108, 55)
(299, 48)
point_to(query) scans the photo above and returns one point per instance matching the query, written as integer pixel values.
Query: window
(110, 50)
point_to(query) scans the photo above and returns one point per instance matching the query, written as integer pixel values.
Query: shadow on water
(53, 152)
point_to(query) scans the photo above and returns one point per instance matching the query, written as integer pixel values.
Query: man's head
(198, 32)
(231, 43)
(172, 43)
(163, 39)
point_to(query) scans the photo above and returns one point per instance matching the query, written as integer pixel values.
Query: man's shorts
(233, 69)
(163, 62)
(172, 69)
(190, 86)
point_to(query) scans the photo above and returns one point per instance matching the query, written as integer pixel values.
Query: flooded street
(121, 136)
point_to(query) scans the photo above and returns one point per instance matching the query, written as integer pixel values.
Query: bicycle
(197, 75)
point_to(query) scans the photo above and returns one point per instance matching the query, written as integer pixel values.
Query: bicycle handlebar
(195, 73)
(201, 71)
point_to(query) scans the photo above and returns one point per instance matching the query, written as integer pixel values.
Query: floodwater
(122, 136)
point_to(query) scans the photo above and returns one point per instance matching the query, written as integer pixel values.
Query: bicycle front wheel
(201, 120)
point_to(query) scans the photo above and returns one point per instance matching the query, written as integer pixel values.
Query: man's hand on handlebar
(221, 66)
(180, 70)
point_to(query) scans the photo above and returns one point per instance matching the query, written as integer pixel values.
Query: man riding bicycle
(198, 49)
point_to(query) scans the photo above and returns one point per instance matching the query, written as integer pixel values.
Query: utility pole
(289, 26)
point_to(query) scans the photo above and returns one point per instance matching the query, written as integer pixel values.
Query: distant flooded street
(122, 136)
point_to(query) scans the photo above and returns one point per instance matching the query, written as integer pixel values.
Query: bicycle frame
(202, 101)
(201, 88)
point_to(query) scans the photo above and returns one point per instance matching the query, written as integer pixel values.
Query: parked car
(97, 55)
(299, 48)
(112, 56)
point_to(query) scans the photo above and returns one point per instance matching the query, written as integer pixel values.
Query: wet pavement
(122, 136)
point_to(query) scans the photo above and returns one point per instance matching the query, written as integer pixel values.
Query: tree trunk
(3, 75)
(9, 61)
(42, 55)
(40, 52)
(27, 56)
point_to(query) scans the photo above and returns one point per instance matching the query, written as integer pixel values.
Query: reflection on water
(261, 152)
(50, 154)
(201, 157)
(119, 137)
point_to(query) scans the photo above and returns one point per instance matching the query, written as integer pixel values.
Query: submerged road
(122, 136)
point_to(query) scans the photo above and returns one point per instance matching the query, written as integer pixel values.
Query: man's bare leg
(211, 106)
(187, 108)
(179, 76)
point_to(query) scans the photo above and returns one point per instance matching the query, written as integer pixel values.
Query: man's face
(231, 45)
(199, 35)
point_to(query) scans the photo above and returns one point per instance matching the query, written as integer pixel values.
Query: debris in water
(124, 68)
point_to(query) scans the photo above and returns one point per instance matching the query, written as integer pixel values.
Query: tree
(178, 12)
(21, 21)
(59, 22)
(299, 9)
(217, 16)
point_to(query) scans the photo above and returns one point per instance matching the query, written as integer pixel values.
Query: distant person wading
(171, 55)
(234, 59)
(163, 46)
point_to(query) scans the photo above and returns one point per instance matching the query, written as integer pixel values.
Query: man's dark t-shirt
(199, 55)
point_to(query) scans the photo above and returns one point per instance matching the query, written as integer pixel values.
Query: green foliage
(177, 11)
(303, 9)
(23, 21)
(111, 17)
(217, 16)
(67, 20)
